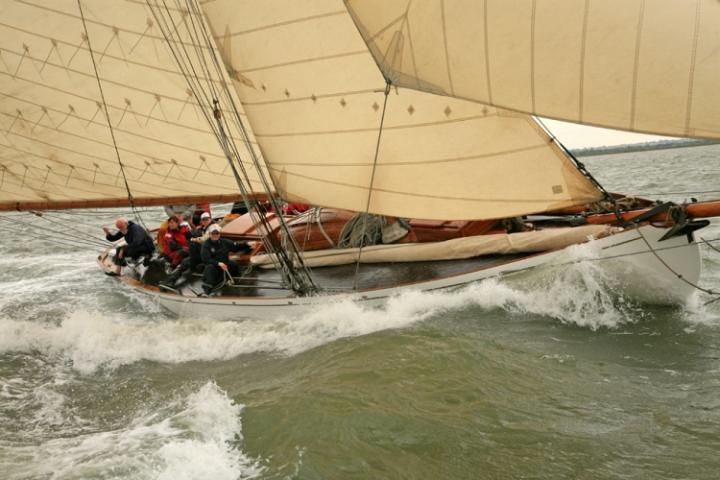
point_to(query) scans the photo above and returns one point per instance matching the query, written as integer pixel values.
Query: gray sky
(578, 136)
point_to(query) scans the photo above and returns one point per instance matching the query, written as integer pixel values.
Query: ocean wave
(194, 437)
(92, 340)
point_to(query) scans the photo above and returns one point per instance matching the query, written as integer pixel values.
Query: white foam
(702, 310)
(194, 438)
(92, 340)
(216, 421)
(575, 293)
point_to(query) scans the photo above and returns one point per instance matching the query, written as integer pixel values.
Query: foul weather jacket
(176, 244)
(216, 251)
(137, 239)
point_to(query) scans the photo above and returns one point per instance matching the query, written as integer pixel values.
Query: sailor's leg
(173, 277)
(233, 268)
(119, 259)
(211, 277)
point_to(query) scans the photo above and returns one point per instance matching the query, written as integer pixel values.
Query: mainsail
(315, 99)
(636, 65)
(56, 148)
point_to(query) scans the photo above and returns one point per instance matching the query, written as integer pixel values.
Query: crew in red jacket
(176, 245)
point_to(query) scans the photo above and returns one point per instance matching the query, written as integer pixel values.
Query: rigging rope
(301, 280)
(88, 239)
(187, 69)
(654, 252)
(388, 84)
(707, 242)
(670, 269)
(583, 170)
(318, 220)
(354, 235)
(44, 236)
(107, 115)
(291, 257)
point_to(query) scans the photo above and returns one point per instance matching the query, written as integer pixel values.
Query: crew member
(216, 257)
(175, 245)
(196, 238)
(138, 242)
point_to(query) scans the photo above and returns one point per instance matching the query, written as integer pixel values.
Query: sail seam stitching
(112, 82)
(281, 24)
(69, 44)
(41, 189)
(370, 129)
(371, 38)
(194, 181)
(428, 162)
(406, 24)
(583, 45)
(532, 54)
(94, 22)
(487, 52)
(445, 44)
(107, 115)
(691, 82)
(638, 40)
(437, 197)
(92, 121)
(304, 60)
(127, 132)
(317, 97)
(100, 142)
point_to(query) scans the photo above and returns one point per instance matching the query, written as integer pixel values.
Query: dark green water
(551, 376)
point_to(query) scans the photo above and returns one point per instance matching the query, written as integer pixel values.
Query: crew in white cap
(216, 257)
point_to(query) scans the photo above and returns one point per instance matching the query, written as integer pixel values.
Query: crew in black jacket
(137, 242)
(216, 257)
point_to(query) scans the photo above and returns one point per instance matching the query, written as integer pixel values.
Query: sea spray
(195, 436)
(575, 293)
(578, 291)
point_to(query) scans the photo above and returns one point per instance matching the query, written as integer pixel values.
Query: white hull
(644, 277)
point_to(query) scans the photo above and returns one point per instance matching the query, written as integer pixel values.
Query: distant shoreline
(640, 147)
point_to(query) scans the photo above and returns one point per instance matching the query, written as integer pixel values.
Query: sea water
(552, 374)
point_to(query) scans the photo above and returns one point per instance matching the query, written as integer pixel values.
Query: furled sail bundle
(637, 65)
(56, 148)
(315, 99)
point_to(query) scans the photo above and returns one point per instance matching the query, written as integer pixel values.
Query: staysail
(56, 149)
(636, 65)
(315, 99)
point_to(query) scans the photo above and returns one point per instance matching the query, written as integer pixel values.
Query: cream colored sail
(314, 97)
(56, 150)
(638, 65)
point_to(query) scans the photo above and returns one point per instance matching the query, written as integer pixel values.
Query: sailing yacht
(418, 111)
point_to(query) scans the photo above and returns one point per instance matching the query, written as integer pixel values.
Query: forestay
(638, 65)
(314, 97)
(56, 150)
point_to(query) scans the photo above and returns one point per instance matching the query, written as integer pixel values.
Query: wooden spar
(694, 210)
(122, 202)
